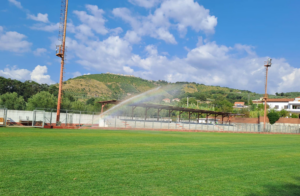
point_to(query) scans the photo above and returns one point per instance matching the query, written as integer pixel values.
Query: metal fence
(126, 123)
(38, 119)
(69, 118)
(3, 116)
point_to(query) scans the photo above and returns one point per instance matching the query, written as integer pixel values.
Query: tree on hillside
(12, 101)
(78, 105)
(53, 90)
(90, 101)
(223, 105)
(41, 100)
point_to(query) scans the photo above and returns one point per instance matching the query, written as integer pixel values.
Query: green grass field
(94, 162)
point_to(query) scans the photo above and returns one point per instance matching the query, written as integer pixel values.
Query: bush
(283, 113)
(273, 117)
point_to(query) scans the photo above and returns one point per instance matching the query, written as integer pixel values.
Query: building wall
(281, 105)
(255, 120)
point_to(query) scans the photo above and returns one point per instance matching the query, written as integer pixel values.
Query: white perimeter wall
(18, 115)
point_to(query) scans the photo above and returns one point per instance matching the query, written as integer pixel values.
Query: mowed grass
(95, 162)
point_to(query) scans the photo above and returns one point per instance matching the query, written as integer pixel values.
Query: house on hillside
(290, 105)
(239, 105)
(166, 100)
(176, 99)
(257, 101)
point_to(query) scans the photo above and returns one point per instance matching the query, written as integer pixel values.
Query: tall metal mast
(60, 50)
(267, 65)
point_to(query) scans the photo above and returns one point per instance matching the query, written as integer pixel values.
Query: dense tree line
(25, 89)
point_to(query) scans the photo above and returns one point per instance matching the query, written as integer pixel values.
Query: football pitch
(97, 162)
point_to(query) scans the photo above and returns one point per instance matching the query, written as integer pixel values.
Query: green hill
(107, 85)
(111, 86)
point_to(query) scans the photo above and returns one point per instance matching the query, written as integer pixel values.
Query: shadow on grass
(289, 189)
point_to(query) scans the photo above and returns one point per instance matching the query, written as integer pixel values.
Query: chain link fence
(38, 119)
(167, 124)
(75, 119)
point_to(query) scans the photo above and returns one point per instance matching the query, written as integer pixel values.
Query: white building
(290, 105)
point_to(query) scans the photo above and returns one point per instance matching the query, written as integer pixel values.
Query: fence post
(79, 119)
(51, 117)
(93, 120)
(33, 118)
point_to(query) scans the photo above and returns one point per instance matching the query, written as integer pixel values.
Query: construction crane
(60, 50)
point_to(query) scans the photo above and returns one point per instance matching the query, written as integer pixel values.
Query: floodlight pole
(61, 54)
(267, 65)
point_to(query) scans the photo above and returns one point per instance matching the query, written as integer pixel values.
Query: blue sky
(211, 42)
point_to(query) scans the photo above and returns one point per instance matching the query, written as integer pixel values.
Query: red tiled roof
(280, 100)
(239, 103)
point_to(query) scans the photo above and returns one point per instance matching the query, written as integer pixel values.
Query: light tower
(268, 64)
(60, 50)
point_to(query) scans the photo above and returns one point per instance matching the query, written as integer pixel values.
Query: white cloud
(132, 37)
(128, 70)
(14, 73)
(109, 54)
(76, 74)
(186, 13)
(13, 41)
(39, 51)
(145, 3)
(37, 75)
(44, 27)
(171, 13)
(16, 3)
(40, 17)
(95, 21)
(116, 31)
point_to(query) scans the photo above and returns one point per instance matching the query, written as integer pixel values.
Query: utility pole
(248, 100)
(187, 102)
(267, 65)
(61, 51)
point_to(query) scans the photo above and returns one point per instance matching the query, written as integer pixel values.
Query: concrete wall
(15, 116)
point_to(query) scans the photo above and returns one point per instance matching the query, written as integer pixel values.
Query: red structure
(60, 51)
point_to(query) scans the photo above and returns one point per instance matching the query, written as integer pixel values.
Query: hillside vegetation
(84, 93)
(107, 85)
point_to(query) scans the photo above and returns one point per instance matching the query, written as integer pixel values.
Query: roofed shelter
(108, 102)
(190, 111)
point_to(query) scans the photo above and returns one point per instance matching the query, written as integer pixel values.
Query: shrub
(273, 116)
